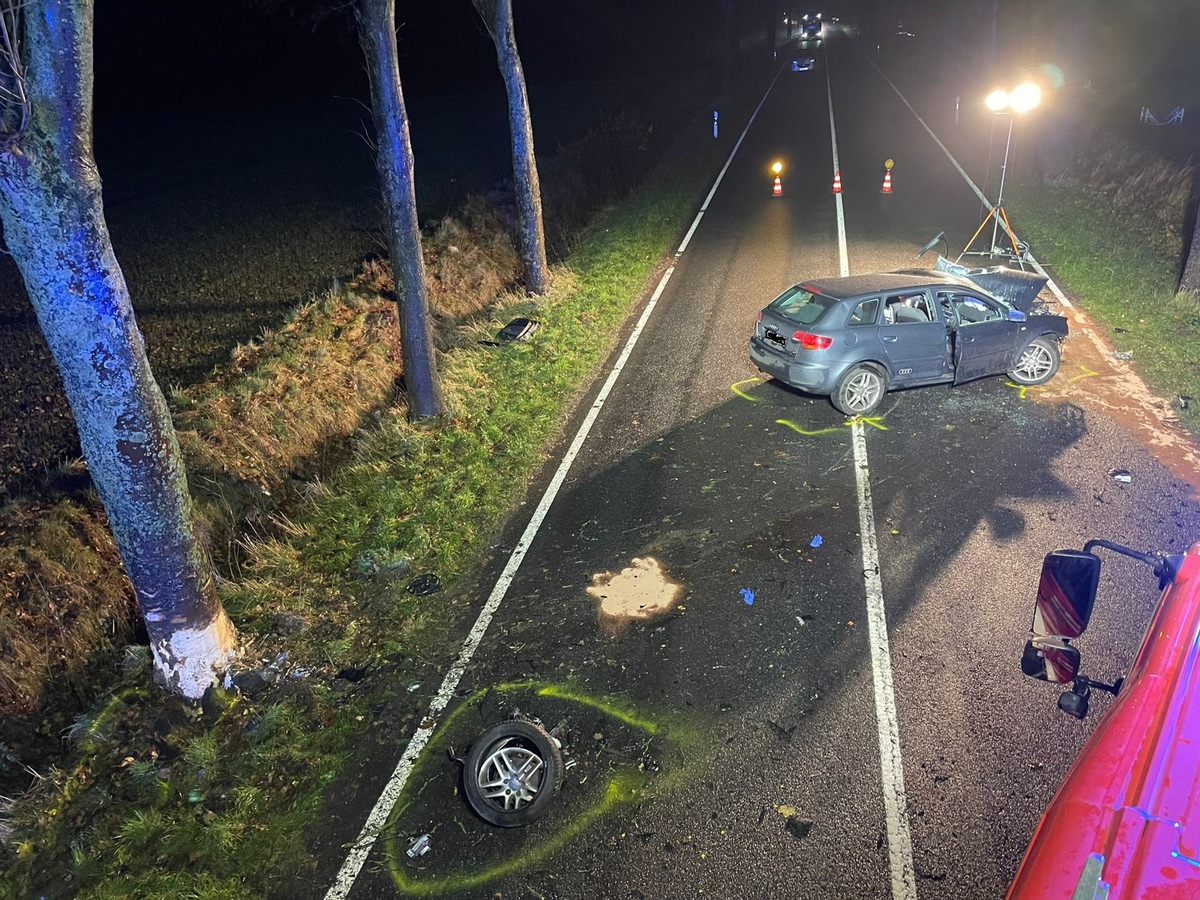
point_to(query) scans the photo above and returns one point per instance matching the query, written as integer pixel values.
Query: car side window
(865, 313)
(972, 309)
(907, 309)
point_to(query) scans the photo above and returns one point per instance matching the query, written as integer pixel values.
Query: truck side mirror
(1049, 660)
(1066, 592)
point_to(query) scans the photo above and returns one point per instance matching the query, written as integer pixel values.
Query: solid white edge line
(1037, 266)
(361, 848)
(891, 766)
(895, 802)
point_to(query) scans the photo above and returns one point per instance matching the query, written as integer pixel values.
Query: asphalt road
(726, 748)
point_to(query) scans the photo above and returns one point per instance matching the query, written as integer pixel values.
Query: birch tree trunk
(498, 17)
(53, 216)
(394, 160)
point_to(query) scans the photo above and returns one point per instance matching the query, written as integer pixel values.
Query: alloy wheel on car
(1037, 364)
(860, 391)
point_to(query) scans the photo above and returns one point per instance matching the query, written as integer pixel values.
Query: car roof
(858, 285)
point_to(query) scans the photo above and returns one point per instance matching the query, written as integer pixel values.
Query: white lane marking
(356, 857)
(687, 238)
(891, 766)
(895, 802)
(843, 253)
(1037, 266)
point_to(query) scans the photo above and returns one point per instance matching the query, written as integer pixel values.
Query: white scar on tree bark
(192, 658)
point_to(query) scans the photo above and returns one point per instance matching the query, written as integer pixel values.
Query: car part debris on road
(418, 847)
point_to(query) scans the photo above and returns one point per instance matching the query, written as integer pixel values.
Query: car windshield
(801, 305)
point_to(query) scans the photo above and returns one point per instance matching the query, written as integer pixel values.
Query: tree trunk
(53, 216)
(498, 16)
(1191, 260)
(394, 159)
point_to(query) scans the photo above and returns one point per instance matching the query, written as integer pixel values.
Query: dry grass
(63, 593)
(1135, 186)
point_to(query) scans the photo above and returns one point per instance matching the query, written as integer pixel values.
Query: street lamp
(1020, 99)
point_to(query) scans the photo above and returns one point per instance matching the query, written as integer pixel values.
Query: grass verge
(161, 800)
(1126, 281)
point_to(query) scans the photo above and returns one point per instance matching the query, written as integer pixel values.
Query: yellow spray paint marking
(1087, 373)
(796, 428)
(873, 421)
(736, 388)
(1023, 389)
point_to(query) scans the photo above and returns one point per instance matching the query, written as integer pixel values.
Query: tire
(860, 390)
(1037, 363)
(512, 772)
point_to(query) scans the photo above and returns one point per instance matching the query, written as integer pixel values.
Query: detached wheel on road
(512, 773)
(1037, 363)
(859, 391)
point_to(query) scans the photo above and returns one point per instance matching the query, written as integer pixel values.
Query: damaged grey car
(854, 339)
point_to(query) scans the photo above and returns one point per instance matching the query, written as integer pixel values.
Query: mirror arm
(1082, 683)
(1165, 567)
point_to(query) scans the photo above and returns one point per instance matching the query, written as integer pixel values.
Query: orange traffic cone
(837, 182)
(887, 182)
(777, 191)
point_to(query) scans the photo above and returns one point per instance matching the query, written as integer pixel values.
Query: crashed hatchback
(854, 339)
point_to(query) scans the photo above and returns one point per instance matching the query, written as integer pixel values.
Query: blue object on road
(816, 541)
(748, 596)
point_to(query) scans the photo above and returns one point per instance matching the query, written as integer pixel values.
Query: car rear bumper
(798, 373)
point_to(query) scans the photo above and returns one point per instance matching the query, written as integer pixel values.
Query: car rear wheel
(859, 391)
(1037, 363)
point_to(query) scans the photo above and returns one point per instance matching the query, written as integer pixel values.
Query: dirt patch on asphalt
(642, 590)
(1092, 376)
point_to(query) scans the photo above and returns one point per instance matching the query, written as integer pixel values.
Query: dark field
(222, 223)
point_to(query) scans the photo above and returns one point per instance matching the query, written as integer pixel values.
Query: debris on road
(748, 596)
(418, 846)
(426, 584)
(1122, 354)
(512, 771)
(1122, 475)
(817, 541)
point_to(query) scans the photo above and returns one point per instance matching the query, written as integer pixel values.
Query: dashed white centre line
(895, 801)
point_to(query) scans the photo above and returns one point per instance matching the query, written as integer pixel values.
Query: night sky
(241, 54)
(244, 53)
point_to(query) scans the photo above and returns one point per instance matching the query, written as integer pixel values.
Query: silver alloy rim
(863, 391)
(1035, 362)
(510, 776)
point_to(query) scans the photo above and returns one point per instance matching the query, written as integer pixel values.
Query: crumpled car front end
(1014, 286)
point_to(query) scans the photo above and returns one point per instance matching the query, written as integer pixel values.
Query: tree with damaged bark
(1190, 278)
(497, 16)
(53, 217)
(394, 160)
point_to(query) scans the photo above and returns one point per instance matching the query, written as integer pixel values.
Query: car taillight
(812, 341)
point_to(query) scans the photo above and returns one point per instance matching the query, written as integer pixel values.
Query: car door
(985, 339)
(914, 338)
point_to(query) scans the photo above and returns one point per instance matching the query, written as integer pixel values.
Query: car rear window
(800, 305)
